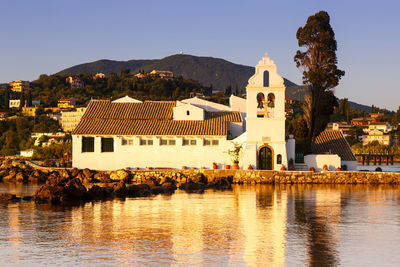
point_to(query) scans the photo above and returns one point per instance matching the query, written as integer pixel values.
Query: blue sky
(47, 36)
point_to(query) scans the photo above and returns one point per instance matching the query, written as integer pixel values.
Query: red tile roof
(332, 142)
(103, 117)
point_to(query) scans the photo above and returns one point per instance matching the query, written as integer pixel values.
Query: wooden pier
(375, 158)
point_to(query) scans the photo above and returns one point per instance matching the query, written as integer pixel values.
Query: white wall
(207, 105)
(291, 148)
(181, 112)
(318, 161)
(351, 165)
(151, 156)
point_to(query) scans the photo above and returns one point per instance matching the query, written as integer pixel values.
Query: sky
(47, 36)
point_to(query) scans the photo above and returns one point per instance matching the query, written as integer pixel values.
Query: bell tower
(265, 121)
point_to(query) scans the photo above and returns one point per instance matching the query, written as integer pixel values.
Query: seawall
(273, 177)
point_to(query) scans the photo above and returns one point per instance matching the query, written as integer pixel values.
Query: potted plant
(312, 169)
(325, 168)
(291, 164)
(283, 168)
(227, 167)
(250, 167)
(338, 169)
(235, 154)
(215, 165)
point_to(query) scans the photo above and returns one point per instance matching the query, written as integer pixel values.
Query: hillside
(206, 70)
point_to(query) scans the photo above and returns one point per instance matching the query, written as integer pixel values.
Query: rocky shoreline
(74, 185)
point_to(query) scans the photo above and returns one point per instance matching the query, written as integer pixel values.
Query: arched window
(260, 105)
(271, 100)
(187, 112)
(266, 78)
(279, 159)
(260, 100)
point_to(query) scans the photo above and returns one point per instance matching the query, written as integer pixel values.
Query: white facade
(265, 121)
(319, 160)
(263, 139)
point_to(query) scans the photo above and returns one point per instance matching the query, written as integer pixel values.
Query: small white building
(192, 133)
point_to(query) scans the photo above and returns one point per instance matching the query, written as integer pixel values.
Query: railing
(299, 157)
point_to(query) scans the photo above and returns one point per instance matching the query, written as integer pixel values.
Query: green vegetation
(49, 89)
(15, 135)
(320, 73)
(53, 151)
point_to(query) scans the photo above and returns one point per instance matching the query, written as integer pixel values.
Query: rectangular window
(189, 142)
(171, 142)
(146, 142)
(163, 142)
(107, 144)
(211, 142)
(87, 144)
(127, 142)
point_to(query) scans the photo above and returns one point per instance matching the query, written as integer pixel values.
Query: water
(386, 168)
(263, 225)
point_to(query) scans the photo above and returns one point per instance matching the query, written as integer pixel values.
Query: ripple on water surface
(264, 225)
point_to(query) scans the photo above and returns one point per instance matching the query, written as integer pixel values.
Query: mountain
(207, 70)
(359, 106)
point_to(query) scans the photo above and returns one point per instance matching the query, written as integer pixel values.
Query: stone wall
(272, 177)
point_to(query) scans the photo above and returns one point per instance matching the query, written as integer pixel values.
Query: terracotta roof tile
(148, 118)
(333, 142)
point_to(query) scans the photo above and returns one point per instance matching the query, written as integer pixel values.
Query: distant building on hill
(19, 86)
(363, 121)
(163, 74)
(66, 103)
(342, 126)
(75, 82)
(377, 135)
(70, 119)
(29, 111)
(16, 103)
(381, 126)
(99, 75)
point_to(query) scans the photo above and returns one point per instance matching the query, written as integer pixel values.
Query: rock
(63, 173)
(87, 173)
(192, 187)
(74, 172)
(21, 177)
(120, 175)
(102, 177)
(6, 197)
(198, 178)
(140, 190)
(158, 190)
(27, 198)
(120, 189)
(59, 189)
(98, 192)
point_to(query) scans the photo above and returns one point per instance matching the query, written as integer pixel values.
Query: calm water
(386, 168)
(298, 225)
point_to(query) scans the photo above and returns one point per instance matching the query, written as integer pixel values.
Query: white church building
(191, 133)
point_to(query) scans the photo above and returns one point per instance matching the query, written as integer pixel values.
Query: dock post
(374, 159)
(368, 160)
(362, 160)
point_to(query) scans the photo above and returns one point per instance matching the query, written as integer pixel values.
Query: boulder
(120, 189)
(158, 190)
(87, 173)
(102, 177)
(120, 175)
(21, 177)
(98, 192)
(74, 172)
(139, 190)
(61, 190)
(63, 173)
(192, 187)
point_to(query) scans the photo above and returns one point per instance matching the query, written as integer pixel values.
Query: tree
(29, 99)
(228, 90)
(7, 99)
(320, 73)
(22, 100)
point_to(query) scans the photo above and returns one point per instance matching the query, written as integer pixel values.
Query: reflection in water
(283, 225)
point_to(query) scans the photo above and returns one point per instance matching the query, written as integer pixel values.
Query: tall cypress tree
(320, 73)
(22, 100)
(7, 99)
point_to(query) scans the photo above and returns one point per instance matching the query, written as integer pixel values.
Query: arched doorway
(265, 158)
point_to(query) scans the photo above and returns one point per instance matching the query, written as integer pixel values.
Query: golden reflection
(262, 225)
